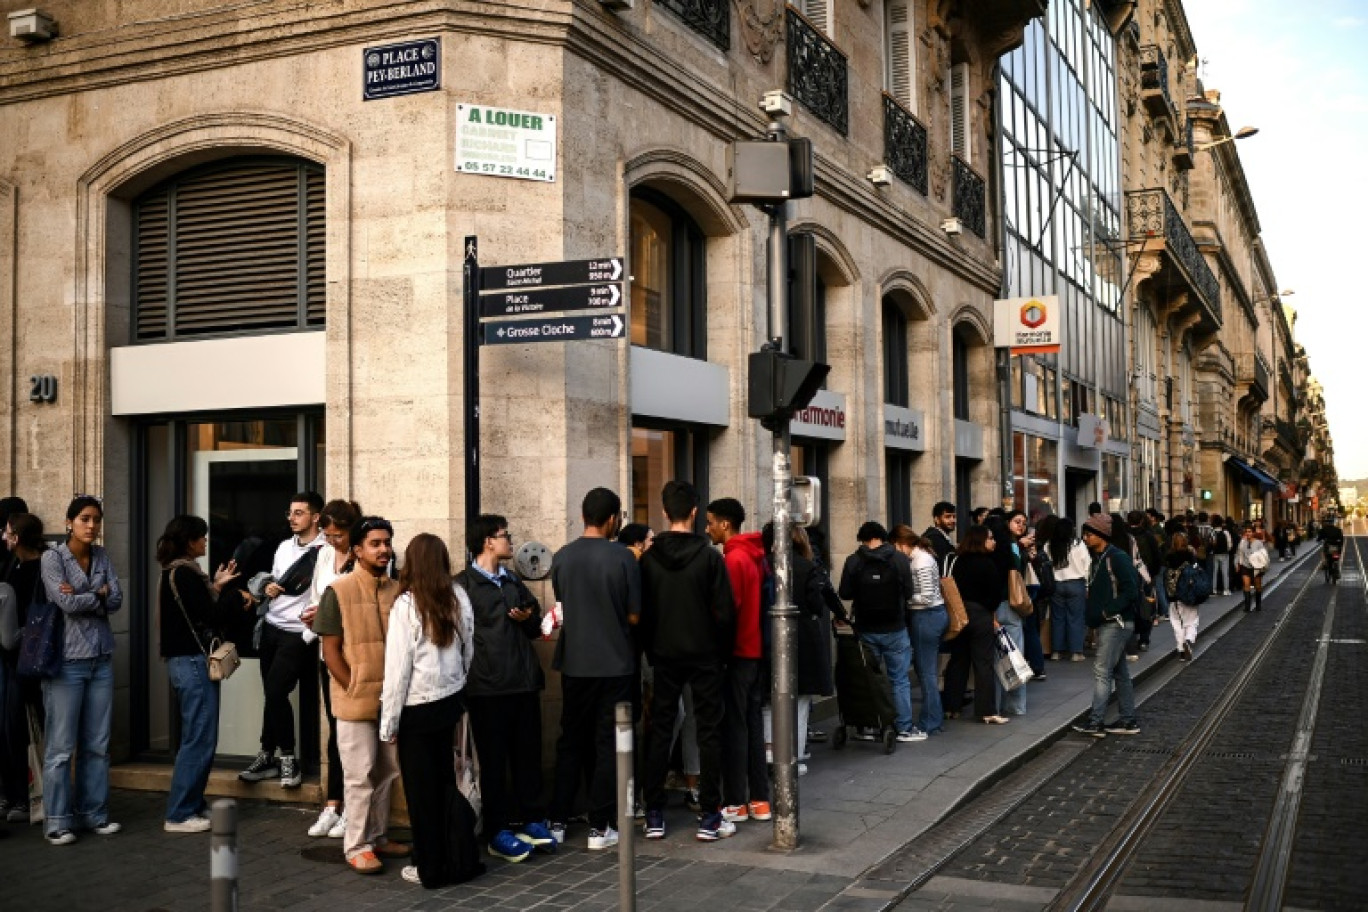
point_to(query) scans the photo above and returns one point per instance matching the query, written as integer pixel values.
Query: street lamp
(1242, 133)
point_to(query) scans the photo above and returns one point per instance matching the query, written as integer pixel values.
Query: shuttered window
(818, 12)
(900, 79)
(960, 127)
(230, 248)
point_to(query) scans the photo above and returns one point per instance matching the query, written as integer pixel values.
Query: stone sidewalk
(858, 807)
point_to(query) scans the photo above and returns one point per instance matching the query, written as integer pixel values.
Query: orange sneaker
(759, 810)
(734, 813)
(366, 863)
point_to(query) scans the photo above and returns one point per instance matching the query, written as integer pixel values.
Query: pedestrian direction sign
(542, 275)
(535, 301)
(553, 329)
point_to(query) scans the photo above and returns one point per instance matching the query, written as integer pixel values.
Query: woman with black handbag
(193, 609)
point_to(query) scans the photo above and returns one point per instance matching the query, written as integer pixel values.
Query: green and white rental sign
(501, 143)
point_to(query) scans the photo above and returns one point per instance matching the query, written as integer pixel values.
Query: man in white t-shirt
(287, 658)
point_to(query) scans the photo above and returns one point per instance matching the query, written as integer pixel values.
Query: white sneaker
(188, 825)
(340, 828)
(410, 873)
(605, 840)
(327, 819)
(107, 829)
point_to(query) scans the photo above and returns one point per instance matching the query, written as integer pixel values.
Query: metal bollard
(223, 856)
(626, 801)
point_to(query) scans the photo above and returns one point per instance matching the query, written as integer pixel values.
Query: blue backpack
(1194, 586)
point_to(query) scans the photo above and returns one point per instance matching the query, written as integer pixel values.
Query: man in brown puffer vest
(353, 616)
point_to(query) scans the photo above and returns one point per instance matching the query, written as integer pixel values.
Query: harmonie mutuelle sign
(1027, 325)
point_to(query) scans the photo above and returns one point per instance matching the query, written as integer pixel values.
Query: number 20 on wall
(42, 388)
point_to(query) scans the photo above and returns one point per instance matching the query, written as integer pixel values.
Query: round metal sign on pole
(532, 560)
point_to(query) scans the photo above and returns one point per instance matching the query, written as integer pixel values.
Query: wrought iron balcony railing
(970, 197)
(1152, 215)
(904, 144)
(710, 18)
(818, 75)
(1183, 150)
(1250, 368)
(1154, 87)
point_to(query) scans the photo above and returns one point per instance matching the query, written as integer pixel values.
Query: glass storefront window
(1035, 475)
(661, 454)
(1113, 492)
(652, 326)
(668, 288)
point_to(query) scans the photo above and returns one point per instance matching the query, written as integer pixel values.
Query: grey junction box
(758, 172)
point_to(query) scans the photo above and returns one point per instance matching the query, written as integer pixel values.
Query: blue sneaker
(712, 827)
(538, 836)
(655, 824)
(509, 847)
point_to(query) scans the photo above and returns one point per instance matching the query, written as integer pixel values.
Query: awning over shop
(1254, 474)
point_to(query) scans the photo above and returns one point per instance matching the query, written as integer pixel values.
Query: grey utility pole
(784, 615)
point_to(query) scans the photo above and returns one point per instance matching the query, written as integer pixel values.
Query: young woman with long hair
(1070, 558)
(428, 650)
(24, 547)
(79, 702)
(194, 610)
(927, 619)
(983, 586)
(335, 521)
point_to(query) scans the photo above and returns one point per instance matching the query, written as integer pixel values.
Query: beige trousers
(369, 769)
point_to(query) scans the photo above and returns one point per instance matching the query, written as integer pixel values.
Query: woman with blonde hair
(428, 650)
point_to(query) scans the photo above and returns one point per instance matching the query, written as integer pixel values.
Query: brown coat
(365, 602)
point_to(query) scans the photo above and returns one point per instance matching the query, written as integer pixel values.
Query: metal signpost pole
(471, 378)
(223, 856)
(784, 614)
(626, 800)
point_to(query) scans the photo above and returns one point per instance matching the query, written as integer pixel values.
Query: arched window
(232, 247)
(959, 352)
(895, 353)
(669, 277)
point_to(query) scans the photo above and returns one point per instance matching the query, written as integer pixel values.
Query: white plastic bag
(1011, 666)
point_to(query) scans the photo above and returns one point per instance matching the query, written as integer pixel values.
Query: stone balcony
(1157, 230)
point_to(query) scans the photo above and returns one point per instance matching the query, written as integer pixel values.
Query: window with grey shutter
(900, 62)
(233, 247)
(961, 131)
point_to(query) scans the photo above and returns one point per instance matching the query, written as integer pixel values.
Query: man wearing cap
(877, 578)
(1113, 588)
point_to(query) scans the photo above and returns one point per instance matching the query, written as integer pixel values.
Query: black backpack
(1222, 543)
(878, 589)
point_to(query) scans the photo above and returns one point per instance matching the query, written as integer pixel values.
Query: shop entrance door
(242, 492)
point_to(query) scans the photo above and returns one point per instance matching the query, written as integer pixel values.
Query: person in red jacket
(745, 782)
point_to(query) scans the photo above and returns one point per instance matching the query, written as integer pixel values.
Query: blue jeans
(199, 713)
(1067, 605)
(1110, 666)
(895, 649)
(925, 626)
(79, 703)
(1012, 702)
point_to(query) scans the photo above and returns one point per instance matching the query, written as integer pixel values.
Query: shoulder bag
(954, 602)
(220, 656)
(468, 769)
(1018, 597)
(42, 647)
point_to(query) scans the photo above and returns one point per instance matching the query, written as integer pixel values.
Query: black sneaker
(1120, 727)
(1091, 728)
(691, 800)
(263, 767)
(1187, 652)
(290, 776)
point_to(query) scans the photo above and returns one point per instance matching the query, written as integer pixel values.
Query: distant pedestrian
(1070, 559)
(638, 537)
(598, 583)
(941, 532)
(687, 619)
(194, 610)
(503, 694)
(877, 579)
(1251, 560)
(79, 702)
(1223, 543)
(1008, 555)
(983, 586)
(352, 620)
(1113, 587)
(926, 622)
(1183, 615)
(429, 645)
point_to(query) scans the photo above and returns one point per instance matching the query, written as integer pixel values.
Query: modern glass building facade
(1061, 186)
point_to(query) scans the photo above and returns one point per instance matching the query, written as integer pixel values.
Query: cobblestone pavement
(859, 808)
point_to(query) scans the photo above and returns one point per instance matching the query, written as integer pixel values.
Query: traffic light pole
(784, 615)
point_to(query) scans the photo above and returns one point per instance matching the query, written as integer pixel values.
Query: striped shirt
(926, 590)
(87, 620)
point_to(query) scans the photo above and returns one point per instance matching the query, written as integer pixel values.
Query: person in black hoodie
(983, 585)
(503, 694)
(687, 614)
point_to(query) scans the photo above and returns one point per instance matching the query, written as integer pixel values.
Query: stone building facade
(245, 279)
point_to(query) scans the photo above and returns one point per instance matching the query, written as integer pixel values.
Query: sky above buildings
(1299, 72)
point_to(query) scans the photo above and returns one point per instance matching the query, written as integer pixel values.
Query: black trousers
(287, 662)
(588, 724)
(334, 784)
(743, 748)
(428, 766)
(14, 733)
(972, 650)
(507, 730)
(707, 684)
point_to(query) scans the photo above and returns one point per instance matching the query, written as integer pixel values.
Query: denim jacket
(87, 619)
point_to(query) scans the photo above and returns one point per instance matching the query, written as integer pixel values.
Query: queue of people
(673, 623)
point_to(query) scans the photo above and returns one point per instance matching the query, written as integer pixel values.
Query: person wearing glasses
(503, 694)
(79, 702)
(19, 568)
(287, 658)
(336, 520)
(352, 620)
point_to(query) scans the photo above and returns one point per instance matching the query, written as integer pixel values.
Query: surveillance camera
(776, 104)
(881, 176)
(952, 226)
